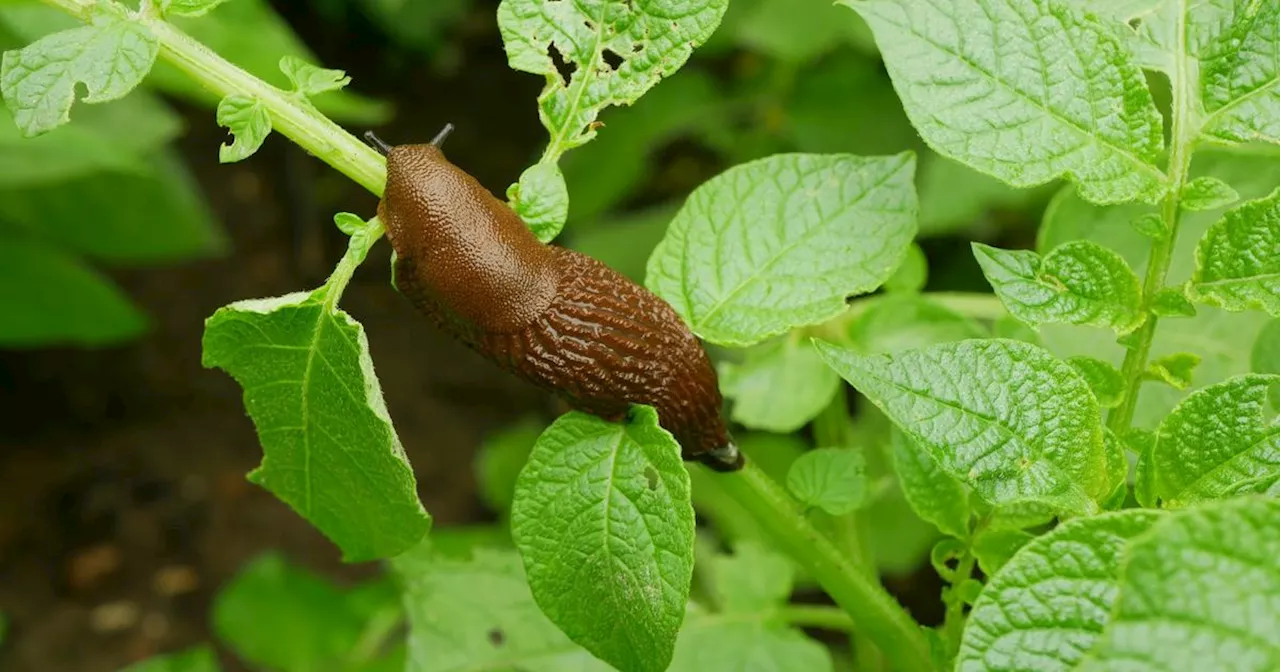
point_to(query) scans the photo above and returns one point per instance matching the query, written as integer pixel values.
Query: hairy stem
(292, 115)
(874, 612)
(1185, 127)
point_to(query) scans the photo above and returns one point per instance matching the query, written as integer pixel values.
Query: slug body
(552, 316)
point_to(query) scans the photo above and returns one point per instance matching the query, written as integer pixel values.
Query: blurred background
(123, 502)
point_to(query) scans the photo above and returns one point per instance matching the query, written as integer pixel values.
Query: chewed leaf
(109, 57)
(310, 80)
(1005, 417)
(1215, 439)
(617, 49)
(603, 520)
(1238, 259)
(1079, 282)
(1046, 606)
(1174, 370)
(782, 242)
(1024, 90)
(1199, 591)
(330, 451)
(249, 121)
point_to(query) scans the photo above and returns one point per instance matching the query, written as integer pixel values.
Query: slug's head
(724, 458)
(422, 185)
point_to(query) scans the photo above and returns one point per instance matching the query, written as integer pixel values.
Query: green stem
(1181, 140)
(291, 114)
(953, 619)
(816, 616)
(874, 612)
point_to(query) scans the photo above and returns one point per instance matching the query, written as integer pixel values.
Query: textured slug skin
(552, 316)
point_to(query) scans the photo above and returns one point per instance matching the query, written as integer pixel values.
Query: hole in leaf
(564, 67)
(496, 637)
(613, 59)
(637, 47)
(651, 475)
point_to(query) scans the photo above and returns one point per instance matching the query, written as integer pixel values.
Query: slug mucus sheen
(550, 315)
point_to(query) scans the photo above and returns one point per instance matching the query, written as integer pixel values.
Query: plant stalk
(874, 612)
(1181, 141)
(291, 114)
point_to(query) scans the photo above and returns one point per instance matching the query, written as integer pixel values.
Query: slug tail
(726, 458)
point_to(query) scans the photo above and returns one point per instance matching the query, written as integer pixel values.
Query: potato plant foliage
(1097, 434)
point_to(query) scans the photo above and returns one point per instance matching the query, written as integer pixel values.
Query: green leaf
(1152, 226)
(1029, 431)
(477, 613)
(310, 80)
(1048, 604)
(1207, 193)
(912, 274)
(109, 57)
(782, 242)
(112, 136)
(1237, 267)
(1199, 591)
(196, 659)
(747, 633)
(144, 217)
(188, 7)
(50, 298)
(994, 547)
(248, 120)
(1075, 283)
(1239, 69)
(1265, 356)
(541, 198)
(1117, 471)
(603, 521)
(780, 385)
(279, 616)
(348, 223)
(969, 87)
(330, 451)
(1216, 438)
(1104, 379)
(1172, 302)
(895, 323)
(935, 495)
(620, 50)
(956, 198)
(1143, 442)
(502, 455)
(831, 479)
(794, 31)
(1174, 370)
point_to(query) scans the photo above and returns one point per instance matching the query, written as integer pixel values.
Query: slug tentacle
(552, 316)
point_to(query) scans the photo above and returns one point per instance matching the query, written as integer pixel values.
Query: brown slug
(550, 315)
